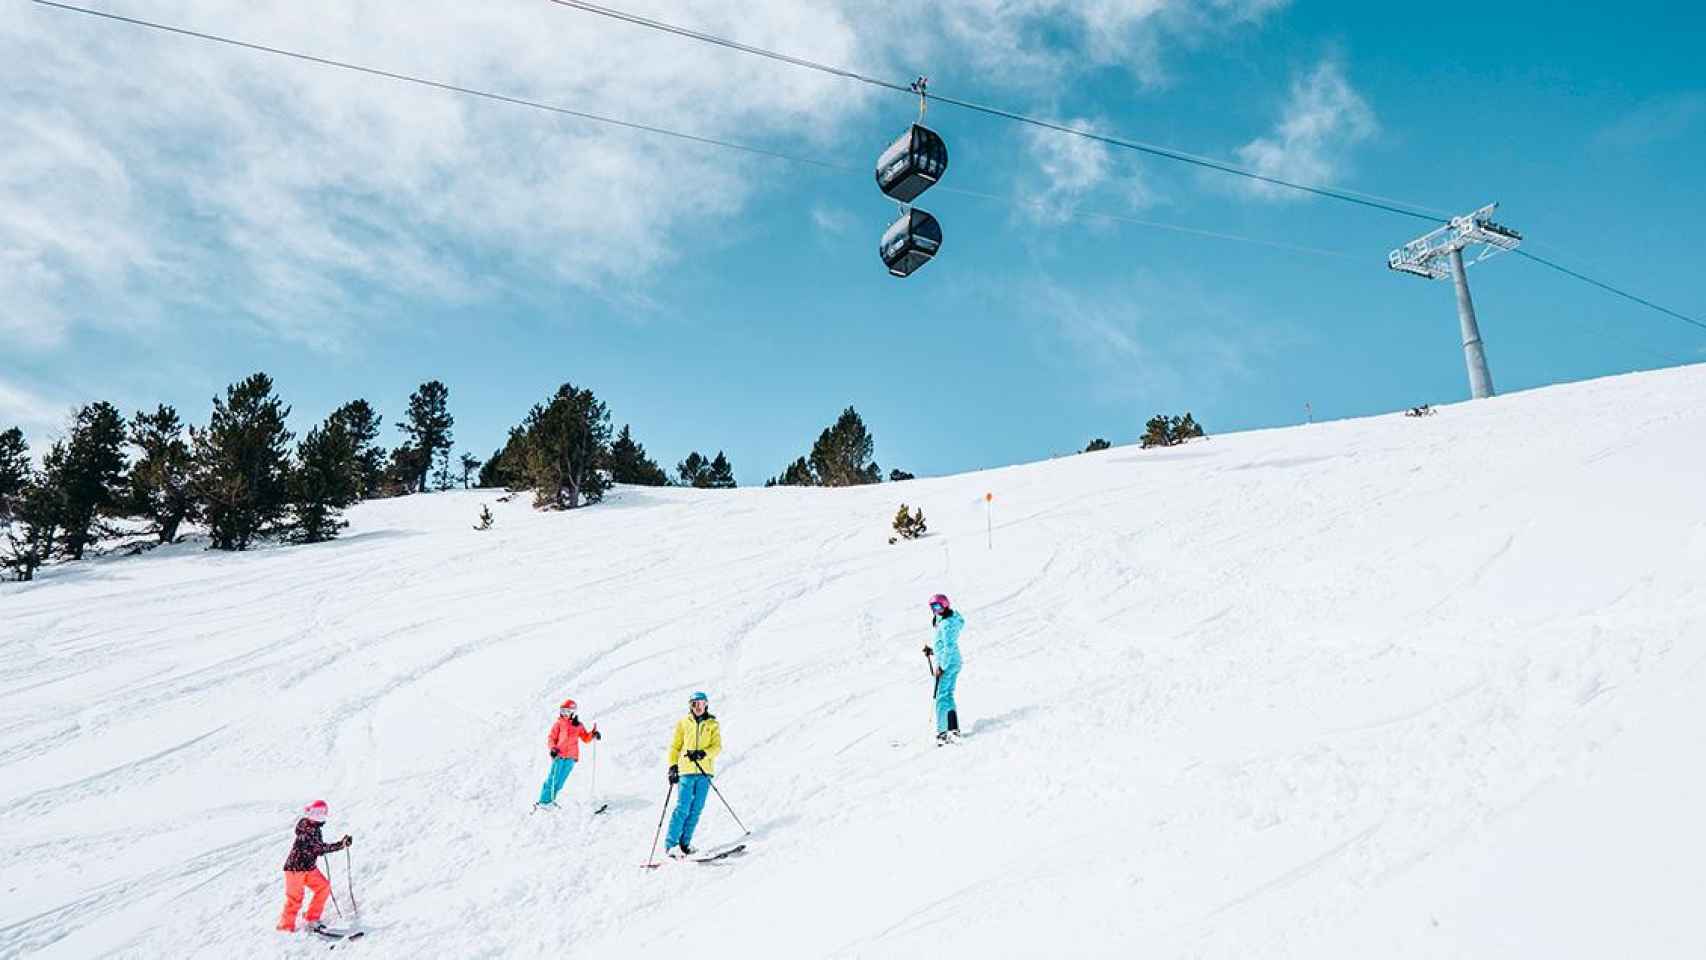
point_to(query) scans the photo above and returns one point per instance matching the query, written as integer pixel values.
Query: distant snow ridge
(1393, 687)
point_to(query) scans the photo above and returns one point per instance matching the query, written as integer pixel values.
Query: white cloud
(1036, 42)
(1070, 169)
(142, 167)
(1655, 121)
(36, 414)
(1151, 340)
(1323, 118)
(832, 220)
(144, 176)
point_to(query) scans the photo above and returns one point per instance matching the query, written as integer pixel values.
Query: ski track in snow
(1362, 688)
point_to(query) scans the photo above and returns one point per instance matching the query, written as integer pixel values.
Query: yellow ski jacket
(696, 733)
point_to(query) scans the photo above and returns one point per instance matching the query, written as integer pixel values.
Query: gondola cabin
(910, 242)
(912, 164)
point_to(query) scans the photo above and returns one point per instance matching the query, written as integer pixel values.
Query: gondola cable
(1349, 196)
(827, 165)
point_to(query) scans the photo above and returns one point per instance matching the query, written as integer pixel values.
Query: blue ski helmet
(699, 695)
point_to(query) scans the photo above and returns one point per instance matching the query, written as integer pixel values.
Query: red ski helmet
(568, 705)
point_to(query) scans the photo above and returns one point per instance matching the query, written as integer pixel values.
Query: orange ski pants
(293, 881)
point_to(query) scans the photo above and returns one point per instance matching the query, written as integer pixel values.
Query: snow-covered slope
(1388, 687)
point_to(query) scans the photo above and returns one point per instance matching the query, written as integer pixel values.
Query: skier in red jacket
(564, 741)
(301, 868)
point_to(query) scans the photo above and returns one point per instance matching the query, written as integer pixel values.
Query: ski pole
(713, 782)
(593, 791)
(349, 884)
(935, 687)
(651, 858)
(329, 889)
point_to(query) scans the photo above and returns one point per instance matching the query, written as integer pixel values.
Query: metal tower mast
(1439, 254)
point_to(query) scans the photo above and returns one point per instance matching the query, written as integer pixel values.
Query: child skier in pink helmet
(564, 741)
(301, 868)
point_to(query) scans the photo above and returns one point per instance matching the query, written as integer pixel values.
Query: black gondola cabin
(912, 164)
(910, 242)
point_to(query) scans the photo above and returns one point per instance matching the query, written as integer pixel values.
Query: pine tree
(629, 463)
(841, 457)
(15, 472)
(563, 448)
(361, 424)
(325, 480)
(486, 519)
(694, 471)
(896, 476)
(1097, 444)
(34, 524)
(241, 469)
(402, 472)
(160, 482)
(29, 510)
(443, 478)
(1165, 431)
(496, 471)
(798, 474)
(1186, 429)
(1157, 432)
(427, 425)
(909, 525)
(90, 476)
(470, 463)
(720, 475)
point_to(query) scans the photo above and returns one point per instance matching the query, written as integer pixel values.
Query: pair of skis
(592, 792)
(554, 808)
(733, 851)
(338, 936)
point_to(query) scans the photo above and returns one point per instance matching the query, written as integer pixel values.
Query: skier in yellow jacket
(692, 761)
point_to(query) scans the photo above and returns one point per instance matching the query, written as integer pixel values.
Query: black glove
(347, 840)
(929, 652)
(597, 736)
(695, 755)
(674, 774)
(553, 753)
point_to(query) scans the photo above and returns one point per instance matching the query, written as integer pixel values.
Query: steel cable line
(648, 128)
(1609, 288)
(1349, 196)
(438, 85)
(1156, 224)
(1404, 208)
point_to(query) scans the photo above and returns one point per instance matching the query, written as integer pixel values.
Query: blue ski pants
(945, 697)
(694, 788)
(560, 769)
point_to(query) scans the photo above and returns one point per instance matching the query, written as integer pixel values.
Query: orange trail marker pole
(988, 523)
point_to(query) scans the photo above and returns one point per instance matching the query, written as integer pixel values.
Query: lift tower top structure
(1439, 254)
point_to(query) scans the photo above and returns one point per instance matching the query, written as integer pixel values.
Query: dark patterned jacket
(305, 852)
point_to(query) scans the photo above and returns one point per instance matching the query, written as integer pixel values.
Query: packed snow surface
(1393, 687)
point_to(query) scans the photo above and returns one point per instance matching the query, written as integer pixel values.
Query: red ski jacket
(305, 852)
(566, 737)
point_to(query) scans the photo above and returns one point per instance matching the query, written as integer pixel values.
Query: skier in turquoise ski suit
(946, 649)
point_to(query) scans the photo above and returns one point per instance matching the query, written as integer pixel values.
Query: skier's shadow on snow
(988, 724)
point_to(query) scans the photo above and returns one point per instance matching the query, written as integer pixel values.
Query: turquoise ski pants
(694, 788)
(560, 769)
(945, 697)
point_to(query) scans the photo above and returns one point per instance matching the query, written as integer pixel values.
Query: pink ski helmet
(940, 601)
(315, 811)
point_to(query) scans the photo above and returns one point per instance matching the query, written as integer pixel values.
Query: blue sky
(174, 215)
